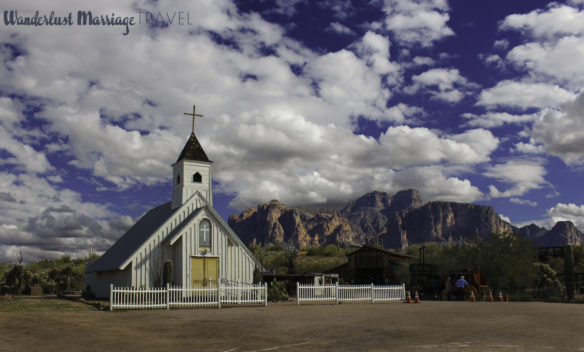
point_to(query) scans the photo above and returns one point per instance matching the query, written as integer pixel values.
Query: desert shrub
(314, 251)
(330, 250)
(275, 247)
(277, 291)
(548, 285)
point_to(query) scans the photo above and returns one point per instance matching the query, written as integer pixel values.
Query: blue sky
(313, 103)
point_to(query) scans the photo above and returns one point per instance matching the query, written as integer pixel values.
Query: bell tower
(192, 171)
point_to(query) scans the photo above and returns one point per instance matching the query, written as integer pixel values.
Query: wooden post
(337, 292)
(167, 295)
(239, 289)
(297, 293)
(266, 294)
(372, 294)
(218, 294)
(111, 297)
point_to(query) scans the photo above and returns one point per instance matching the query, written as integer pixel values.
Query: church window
(178, 179)
(197, 178)
(205, 234)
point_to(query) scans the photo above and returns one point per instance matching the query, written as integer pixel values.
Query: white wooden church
(186, 231)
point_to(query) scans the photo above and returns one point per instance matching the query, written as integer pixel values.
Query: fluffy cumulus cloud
(524, 95)
(41, 220)
(303, 163)
(496, 119)
(521, 175)
(556, 46)
(556, 20)
(561, 132)
(442, 84)
(567, 212)
(417, 22)
(279, 117)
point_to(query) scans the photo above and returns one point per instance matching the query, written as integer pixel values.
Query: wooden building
(368, 265)
(186, 234)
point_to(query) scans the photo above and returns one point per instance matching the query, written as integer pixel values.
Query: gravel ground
(429, 326)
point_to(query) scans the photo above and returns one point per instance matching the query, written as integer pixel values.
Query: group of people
(457, 289)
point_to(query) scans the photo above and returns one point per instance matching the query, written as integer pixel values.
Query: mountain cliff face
(274, 222)
(395, 221)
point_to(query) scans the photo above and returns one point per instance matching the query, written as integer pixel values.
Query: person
(460, 285)
(448, 287)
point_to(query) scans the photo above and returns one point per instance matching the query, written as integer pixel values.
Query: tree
(291, 258)
(507, 261)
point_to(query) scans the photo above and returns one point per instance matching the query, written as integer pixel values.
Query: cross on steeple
(193, 115)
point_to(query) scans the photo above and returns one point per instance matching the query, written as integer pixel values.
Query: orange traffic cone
(490, 295)
(417, 298)
(409, 298)
(500, 296)
(472, 296)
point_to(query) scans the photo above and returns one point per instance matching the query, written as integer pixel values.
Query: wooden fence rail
(167, 297)
(349, 293)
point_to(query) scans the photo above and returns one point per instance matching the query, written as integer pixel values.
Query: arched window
(178, 179)
(197, 178)
(205, 234)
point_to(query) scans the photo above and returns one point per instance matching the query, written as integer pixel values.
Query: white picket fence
(167, 297)
(349, 293)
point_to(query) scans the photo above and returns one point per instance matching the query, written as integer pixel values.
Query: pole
(297, 293)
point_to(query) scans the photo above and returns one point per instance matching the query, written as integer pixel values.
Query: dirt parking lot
(429, 326)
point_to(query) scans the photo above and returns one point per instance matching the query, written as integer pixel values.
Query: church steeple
(191, 171)
(193, 151)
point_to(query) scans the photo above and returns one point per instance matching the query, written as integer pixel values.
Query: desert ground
(429, 326)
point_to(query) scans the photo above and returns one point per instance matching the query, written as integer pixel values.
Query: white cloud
(556, 60)
(561, 132)
(401, 113)
(501, 44)
(339, 28)
(493, 60)
(505, 218)
(528, 148)
(567, 212)
(496, 119)
(556, 20)
(24, 156)
(557, 47)
(442, 84)
(423, 61)
(113, 105)
(523, 202)
(417, 22)
(524, 95)
(522, 175)
(42, 220)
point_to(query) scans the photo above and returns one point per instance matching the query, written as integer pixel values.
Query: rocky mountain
(274, 222)
(562, 233)
(395, 221)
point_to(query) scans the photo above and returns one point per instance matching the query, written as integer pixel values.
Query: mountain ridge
(396, 221)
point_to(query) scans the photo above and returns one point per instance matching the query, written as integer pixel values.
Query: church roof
(132, 240)
(193, 151)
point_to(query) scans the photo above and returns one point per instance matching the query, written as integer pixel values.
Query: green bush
(330, 251)
(548, 285)
(277, 291)
(275, 247)
(314, 251)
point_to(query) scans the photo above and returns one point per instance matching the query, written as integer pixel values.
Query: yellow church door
(204, 269)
